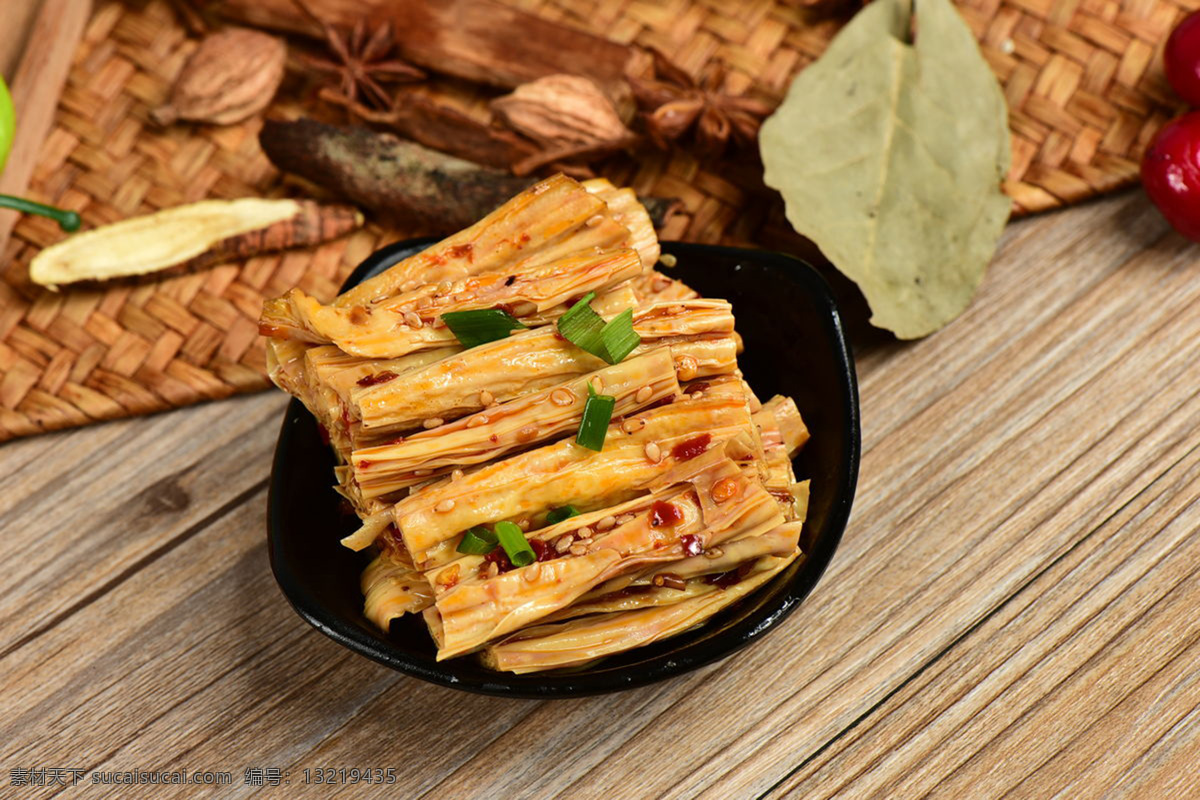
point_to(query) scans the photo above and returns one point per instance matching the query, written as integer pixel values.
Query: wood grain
(1011, 610)
(37, 83)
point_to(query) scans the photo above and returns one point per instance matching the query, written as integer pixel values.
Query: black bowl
(794, 346)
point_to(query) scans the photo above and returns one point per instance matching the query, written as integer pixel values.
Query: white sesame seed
(584, 533)
(422, 472)
(444, 507)
(643, 394)
(527, 433)
(486, 398)
(477, 420)
(578, 549)
(524, 524)
(668, 260)
(432, 422)
(595, 220)
(445, 286)
(563, 543)
(456, 475)
(653, 452)
(409, 285)
(493, 569)
(625, 519)
(562, 397)
(597, 384)
(606, 524)
(412, 319)
(714, 552)
(532, 573)
(633, 425)
(687, 367)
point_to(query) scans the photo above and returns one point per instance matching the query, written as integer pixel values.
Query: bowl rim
(565, 684)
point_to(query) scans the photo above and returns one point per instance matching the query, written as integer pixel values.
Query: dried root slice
(199, 234)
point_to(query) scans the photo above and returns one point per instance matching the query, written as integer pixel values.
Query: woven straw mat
(1083, 81)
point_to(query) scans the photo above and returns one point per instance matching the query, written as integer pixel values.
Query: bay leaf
(889, 156)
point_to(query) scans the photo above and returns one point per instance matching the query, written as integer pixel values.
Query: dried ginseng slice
(199, 234)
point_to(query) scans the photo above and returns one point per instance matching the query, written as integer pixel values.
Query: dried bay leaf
(889, 156)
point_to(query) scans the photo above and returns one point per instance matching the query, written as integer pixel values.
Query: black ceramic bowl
(794, 346)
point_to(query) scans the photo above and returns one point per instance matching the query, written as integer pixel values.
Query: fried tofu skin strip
(493, 432)
(483, 606)
(564, 473)
(544, 222)
(392, 589)
(534, 360)
(412, 321)
(791, 427)
(579, 641)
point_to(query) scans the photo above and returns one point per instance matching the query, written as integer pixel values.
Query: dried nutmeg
(231, 76)
(563, 111)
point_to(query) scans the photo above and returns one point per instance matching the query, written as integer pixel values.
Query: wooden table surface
(1012, 609)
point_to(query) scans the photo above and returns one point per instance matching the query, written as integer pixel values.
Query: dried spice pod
(562, 110)
(194, 235)
(231, 76)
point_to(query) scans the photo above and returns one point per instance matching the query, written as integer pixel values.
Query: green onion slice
(480, 326)
(513, 540)
(597, 414)
(557, 515)
(478, 541)
(619, 337)
(583, 327)
(587, 330)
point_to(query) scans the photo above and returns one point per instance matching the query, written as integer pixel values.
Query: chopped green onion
(597, 413)
(587, 330)
(620, 339)
(557, 515)
(480, 326)
(478, 541)
(583, 327)
(513, 540)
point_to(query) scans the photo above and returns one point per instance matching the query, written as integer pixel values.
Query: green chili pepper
(8, 123)
(67, 220)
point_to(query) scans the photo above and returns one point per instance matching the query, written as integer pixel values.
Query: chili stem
(69, 221)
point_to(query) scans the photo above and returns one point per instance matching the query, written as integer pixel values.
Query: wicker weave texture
(1083, 81)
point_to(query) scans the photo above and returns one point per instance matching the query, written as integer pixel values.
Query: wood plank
(95, 504)
(1046, 694)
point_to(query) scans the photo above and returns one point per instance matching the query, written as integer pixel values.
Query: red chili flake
(499, 558)
(543, 551)
(691, 448)
(559, 336)
(524, 238)
(462, 251)
(365, 464)
(376, 379)
(323, 432)
(659, 403)
(506, 308)
(724, 580)
(693, 545)
(702, 386)
(494, 439)
(663, 514)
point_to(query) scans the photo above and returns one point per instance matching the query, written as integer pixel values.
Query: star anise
(674, 103)
(362, 60)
